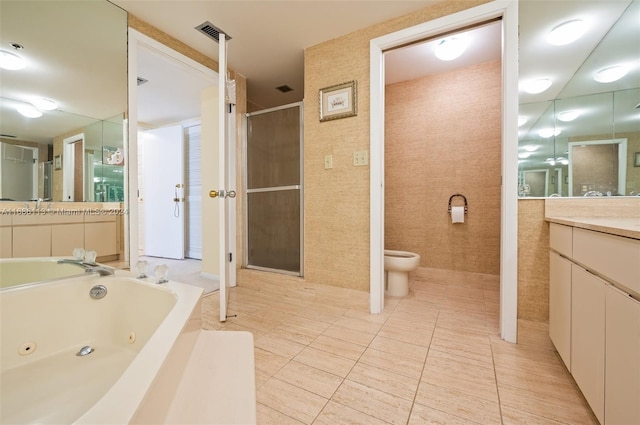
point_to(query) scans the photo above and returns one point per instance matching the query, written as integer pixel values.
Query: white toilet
(397, 265)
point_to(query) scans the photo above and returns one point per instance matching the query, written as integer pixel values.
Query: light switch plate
(328, 162)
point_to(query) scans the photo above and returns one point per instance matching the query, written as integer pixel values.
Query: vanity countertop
(621, 226)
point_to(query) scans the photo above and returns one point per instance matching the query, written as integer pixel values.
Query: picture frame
(57, 162)
(338, 101)
(636, 159)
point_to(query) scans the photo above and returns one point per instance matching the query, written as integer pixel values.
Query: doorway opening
(597, 167)
(73, 168)
(167, 105)
(508, 13)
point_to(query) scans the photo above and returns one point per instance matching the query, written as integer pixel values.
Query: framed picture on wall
(636, 159)
(339, 101)
(57, 162)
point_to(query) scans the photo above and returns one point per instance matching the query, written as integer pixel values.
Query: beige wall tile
(443, 136)
(533, 261)
(337, 200)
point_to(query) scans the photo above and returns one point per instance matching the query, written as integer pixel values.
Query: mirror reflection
(74, 57)
(582, 137)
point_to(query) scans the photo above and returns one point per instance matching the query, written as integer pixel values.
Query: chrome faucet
(89, 267)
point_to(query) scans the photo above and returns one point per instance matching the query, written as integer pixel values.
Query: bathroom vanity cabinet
(56, 232)
(594, 313)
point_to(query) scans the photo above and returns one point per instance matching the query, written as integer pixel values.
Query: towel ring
(466, 207)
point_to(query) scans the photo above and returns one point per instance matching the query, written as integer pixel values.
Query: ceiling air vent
(141, 81)
(208, 29)
(285, 88)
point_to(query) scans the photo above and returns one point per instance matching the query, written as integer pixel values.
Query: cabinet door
(6, 242)
(66, 237)
(622, 372)
(560, 306)
(101, 238)
(31, 241)
(587, 336)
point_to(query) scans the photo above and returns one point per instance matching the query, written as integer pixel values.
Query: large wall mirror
(581, 135)
(74, 54)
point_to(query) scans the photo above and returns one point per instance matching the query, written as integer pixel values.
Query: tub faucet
(89, 267)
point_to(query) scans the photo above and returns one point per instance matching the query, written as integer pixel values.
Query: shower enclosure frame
(247, 191)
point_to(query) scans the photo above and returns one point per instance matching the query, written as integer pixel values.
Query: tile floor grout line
(424, 365)
(458, 316)
(349, 372)
(495, 376)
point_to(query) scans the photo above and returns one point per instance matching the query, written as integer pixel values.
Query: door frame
(508, 11)
(136, 38)
(544, 171)
(622, 160)
(68, 166)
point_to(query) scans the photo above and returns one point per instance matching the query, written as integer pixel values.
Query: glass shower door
(274, 190)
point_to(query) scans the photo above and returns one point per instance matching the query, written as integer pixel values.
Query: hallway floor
(433, 357)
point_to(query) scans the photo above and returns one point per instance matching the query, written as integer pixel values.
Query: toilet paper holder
(466, 207)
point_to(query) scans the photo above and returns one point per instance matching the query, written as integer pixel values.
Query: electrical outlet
(360, 158)
(328, 162)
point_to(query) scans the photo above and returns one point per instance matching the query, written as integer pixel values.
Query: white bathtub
(132, 329)
(20, 271)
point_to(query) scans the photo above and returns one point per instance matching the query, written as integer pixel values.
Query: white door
(226, 193)
(163, 196)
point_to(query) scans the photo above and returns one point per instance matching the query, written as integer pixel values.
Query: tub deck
(216, 385)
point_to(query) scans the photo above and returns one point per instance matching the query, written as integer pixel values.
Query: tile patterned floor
(433, 357)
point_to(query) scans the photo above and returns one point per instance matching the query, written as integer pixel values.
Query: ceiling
(267, 47)
(264, 30)
(268, 38)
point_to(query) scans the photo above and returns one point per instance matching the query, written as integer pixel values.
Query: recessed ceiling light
(531, 148)
(548, 132)
(567, 32)
(611, 74)
(44, 104)
(451, 48)
(536, 86)
(11, 61)
(29, 111)
(567, 116)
